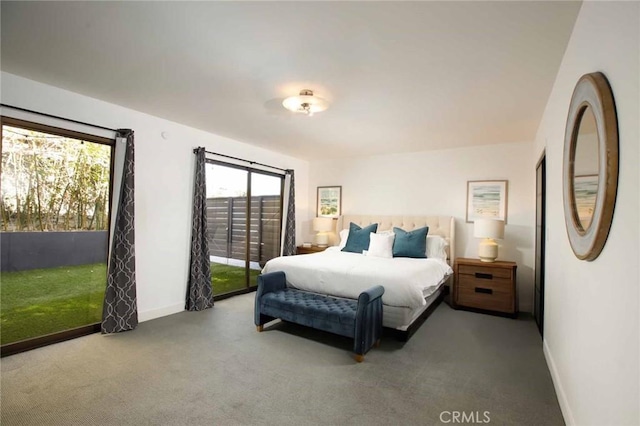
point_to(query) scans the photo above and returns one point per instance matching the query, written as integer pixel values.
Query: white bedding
(406, 281)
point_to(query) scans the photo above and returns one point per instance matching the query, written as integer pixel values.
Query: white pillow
(381, 245)
(436, 247)
(344, 235)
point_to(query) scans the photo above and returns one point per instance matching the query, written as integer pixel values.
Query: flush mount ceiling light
(305, 103)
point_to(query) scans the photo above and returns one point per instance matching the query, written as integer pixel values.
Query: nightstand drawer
(496, 294)
(485, 286)
(484, 272)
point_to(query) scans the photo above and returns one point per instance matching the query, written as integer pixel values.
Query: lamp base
(322, 239)
(488, 250)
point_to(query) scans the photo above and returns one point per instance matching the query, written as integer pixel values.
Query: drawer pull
(484, 276)
(484, 290)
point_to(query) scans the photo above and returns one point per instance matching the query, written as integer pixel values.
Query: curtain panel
(289, 225)
(120, 309)
(199, 290)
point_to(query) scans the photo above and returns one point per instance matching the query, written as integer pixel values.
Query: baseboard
(160, 312)
(528, 308)
(557, 384)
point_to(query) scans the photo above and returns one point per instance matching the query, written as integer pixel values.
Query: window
(244, 215)
(55, 204)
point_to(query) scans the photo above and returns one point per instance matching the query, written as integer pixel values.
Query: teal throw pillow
(410, 244)
(359, 238)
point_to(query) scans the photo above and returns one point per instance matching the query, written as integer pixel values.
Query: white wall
(435, 183)
(591, 308)
(164, 183)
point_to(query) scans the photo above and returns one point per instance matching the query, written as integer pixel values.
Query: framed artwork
(329, 203)
(585, 189)
(487, 198)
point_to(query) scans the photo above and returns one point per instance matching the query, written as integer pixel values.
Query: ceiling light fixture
(305, 103)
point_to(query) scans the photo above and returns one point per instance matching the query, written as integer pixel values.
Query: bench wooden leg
(359, 358)
(259, 328)
(377, 343)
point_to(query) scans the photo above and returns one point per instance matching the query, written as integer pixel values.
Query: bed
(412, 286)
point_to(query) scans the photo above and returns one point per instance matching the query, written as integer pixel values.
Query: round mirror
(590, 165)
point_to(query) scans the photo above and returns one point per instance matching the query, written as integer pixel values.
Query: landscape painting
(487, 199)
(585, 189)
(329, 201)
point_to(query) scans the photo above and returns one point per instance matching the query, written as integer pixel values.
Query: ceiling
(400, 76)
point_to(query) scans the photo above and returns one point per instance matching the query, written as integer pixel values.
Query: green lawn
(44, 301)
(225, 278)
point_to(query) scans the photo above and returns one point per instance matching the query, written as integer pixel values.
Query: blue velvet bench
(359, 319)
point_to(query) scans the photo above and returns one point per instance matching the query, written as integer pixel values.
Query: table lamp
(322, 225)
(489, 230)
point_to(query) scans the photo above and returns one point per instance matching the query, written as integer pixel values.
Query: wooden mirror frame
(592, 91)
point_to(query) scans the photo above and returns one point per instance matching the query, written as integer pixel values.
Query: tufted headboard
(438, 225)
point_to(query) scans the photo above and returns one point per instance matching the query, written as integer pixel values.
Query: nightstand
(308, 250)
(485, 286)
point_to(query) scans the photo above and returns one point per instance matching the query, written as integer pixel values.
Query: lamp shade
(488, 228)
(322, 224)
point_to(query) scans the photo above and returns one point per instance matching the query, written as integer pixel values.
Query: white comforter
(406, 281)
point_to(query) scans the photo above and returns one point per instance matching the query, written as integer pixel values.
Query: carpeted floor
(213, 368)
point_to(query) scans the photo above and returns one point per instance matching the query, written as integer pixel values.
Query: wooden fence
(227, 227)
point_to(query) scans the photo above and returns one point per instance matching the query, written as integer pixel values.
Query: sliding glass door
(266, 220)
(55, 197)
(244, 214)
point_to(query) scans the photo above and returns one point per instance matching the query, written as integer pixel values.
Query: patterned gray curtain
(289, 248)
(120, 309)
(199, 290)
